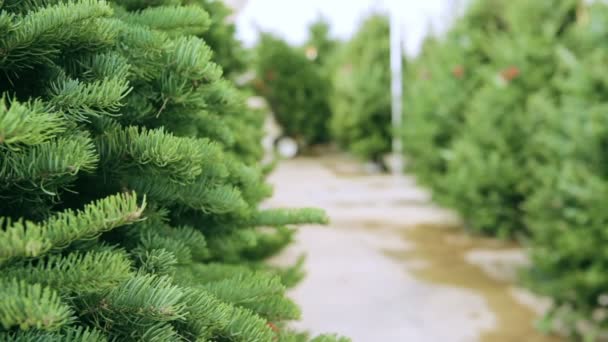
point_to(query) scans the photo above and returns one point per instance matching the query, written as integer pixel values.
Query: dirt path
(394, 267)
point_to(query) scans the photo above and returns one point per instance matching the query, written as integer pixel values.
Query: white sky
(290, 18)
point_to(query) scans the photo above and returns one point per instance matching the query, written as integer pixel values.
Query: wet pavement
(392, 266)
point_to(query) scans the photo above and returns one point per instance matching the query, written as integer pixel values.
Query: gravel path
(392, 266)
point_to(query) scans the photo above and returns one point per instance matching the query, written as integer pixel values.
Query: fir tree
(361, 101)
(567, 161)
(480, 146)
(321, 46)
(440, 82)
(525, 152)
(487, 173)
(129, 182)
(295, 87)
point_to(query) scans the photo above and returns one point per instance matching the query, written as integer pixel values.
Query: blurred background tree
(294, 82)
(361, 100)
(480, 122)
(505, 121)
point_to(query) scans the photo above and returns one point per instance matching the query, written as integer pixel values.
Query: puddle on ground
(364, 203)
(442, 251)
(346, 168)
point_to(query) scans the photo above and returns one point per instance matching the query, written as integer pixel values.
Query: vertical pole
(396, 90)
(453, 12)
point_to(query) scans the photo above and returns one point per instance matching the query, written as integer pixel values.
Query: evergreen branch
(200, 274)
(282, 217)
(291, 275)
(228, 247)
(151, 297)
(26, 239)
(192, 120)
(25, 6)
(206, 315)
(288, 335)
(78, 334)
(194, 239)
(197, 274)
(133, 5)
(27, 306)
(242, 173)
(189, 58)
(142, 308)
(159, 332)
(219, 199)
(22, 239)
(41, 34)
(7, 24)
(81, 100)
(80, 273)
(209, 317)
(49, 165)
(156, 261)
(261, 293)
(179, 72)
(185, 242)
(94, 219)
(269, 242)
(98, 66)
(179, 249)
(179, 159)
(155, 222)
(204, 196)
(249, 180)
(188, 71)
(99, 34)
(27, 124)
(175, 21)
(143, 48)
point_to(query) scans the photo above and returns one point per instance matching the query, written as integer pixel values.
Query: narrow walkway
(393, 267)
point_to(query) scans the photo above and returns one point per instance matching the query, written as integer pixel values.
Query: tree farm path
(391, 266)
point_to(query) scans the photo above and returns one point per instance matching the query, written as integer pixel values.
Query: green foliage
(129, 170)
(469, 123)
(228, 51)
(520, 147)
(494, 203)
(67, 335)
(31, 306)
(361, 98)
(321, 45)
(296, 86)
(568, 158)
(438, 87)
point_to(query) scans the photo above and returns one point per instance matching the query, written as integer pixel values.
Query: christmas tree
(567, 159)
(487, 175)
(441, 80)
(321, 46)
(361, 100)
(295, 87)
(479, 142)
(129, 182)
(523, 153)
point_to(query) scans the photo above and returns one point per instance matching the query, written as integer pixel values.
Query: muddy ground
(392, 266)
